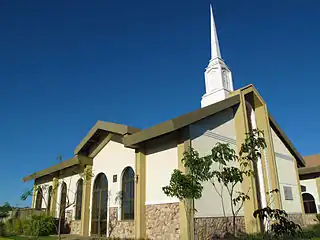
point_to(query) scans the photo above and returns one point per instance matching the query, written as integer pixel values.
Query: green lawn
(27, 238)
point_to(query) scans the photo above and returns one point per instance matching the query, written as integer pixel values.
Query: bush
(2, 229)
(39, 226)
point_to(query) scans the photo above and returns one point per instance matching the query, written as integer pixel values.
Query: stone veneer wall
(310, 219)
(75, 227)
(122, 228)
(163, 221)
(215, 227)
(297, 218)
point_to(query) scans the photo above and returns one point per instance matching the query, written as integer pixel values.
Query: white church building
(124, 196)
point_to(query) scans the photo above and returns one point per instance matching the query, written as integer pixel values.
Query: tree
(232, 170)
(4, 211)
(59, 181)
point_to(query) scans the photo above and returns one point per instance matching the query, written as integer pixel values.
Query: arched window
(49, 199)
(309, 203)
(99, 205)
(63, 201)
(79, 199)
(128, 194)
(39, 199)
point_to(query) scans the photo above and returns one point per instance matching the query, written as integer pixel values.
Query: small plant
(39, 225)
(4, 213)
(280, 225)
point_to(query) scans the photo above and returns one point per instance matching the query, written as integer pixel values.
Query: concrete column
(140, 194)
(86, 197)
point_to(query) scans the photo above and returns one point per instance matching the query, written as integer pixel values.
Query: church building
(127, 168)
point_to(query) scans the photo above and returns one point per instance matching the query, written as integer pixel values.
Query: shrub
(2, 229)
(39, 226)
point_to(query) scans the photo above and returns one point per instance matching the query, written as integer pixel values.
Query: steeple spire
(215, 50)
(218, 77)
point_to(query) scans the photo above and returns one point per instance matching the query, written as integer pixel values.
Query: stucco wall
(71, 182)
(45, 189)
(161, 160)
(287, 175)
(311, 187)
(112, 160)
(204, 135)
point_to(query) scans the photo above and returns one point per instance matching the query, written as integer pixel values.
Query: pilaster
(54, 197)
(252, 224)
(269, 166)
(86, 197)
(185, 207)
(140, 195)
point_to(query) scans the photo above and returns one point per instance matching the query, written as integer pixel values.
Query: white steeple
(218, 78)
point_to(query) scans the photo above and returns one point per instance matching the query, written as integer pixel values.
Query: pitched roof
(286, 141)
(63, 165)
(180, 122)
(116, 128)
(312, 160)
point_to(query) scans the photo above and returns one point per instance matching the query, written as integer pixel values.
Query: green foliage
(183, 186)
(39, 225)
(4, 210)
(232, 169)
(318, 217)
(280, 225)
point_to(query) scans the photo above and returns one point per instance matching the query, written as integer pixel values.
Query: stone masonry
(75, 227)
(214, 227)
(162, 221)
(119, 229)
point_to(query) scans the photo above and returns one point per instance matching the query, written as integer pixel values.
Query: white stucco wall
(311, 187)
(71, 182)
(204, 135)
(45, 189)
(287, 175)
(112, 160)
(161, 160)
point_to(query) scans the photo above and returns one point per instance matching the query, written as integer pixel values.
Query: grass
(27, 238)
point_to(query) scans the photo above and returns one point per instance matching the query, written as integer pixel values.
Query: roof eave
(177, 123)
(76, 160)
(288, 143)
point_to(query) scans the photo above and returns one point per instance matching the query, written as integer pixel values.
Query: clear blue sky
(66, 64)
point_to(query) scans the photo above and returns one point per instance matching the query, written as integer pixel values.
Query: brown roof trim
(309, 170)
(106, 126)
(179, 122)
(76, 160)
(286, 141)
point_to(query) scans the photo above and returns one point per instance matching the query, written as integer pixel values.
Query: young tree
(4, 213)
(232, 170)
(188, 186)
(59, 181)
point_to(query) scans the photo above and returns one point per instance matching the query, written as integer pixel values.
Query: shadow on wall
(208, 124)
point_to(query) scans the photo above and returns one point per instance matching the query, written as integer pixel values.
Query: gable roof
(275, 126)
(312, 160)
(110, 127)
(76, 160)
(179, 122)
(131, 137)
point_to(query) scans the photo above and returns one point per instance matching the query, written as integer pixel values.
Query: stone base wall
(75, 227)
(163, 221)
(297, 218)
(310, 219)
(215, 227)
(119, 229)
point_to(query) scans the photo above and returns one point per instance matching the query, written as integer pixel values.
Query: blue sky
(66, 64)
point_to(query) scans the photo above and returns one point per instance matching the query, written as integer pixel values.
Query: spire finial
(215, 50)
